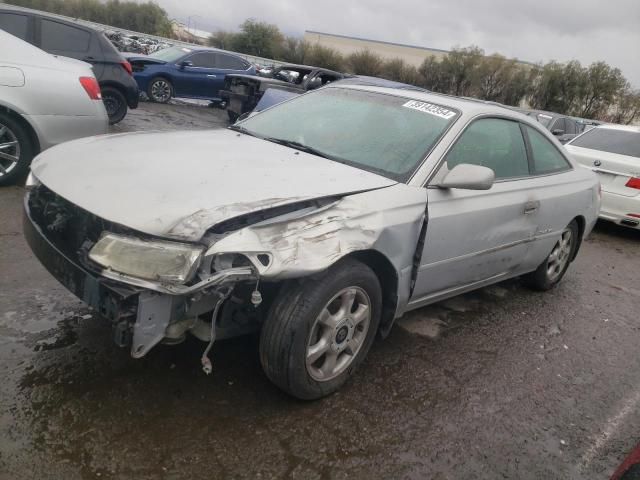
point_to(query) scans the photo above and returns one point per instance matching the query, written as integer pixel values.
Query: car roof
(622, 128)
(468, 106)
(39, 13)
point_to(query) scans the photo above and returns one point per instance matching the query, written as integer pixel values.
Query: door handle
(531, 207)
(212, 76)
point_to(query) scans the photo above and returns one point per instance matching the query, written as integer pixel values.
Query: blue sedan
(186, 72)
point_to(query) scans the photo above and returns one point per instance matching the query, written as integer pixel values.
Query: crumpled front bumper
(154, 306)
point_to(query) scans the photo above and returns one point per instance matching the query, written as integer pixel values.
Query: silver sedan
(44, 100)
(317, 222)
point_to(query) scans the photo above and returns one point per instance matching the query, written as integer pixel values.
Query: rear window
(65, 38)
(612, 141)
(14, 24)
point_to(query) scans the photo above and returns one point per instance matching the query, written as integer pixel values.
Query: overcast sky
(532, 30)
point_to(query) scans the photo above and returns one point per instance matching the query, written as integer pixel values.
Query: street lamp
(189, 22)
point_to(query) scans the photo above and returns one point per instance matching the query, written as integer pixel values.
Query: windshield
(622, 142)
(171, 54)
(380, 133)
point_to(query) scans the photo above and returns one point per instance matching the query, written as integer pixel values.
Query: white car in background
(44, 100)
(613, 152)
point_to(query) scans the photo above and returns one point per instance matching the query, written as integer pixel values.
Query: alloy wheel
(9, 150)
(560, 255)
(161, 91)
(338, 334)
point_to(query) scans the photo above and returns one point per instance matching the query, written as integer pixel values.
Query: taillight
(633, 182)
(127, 66)
(92, 88)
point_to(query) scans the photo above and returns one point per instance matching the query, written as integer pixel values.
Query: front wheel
(160, 90)
(319, 330)
(553, 268)
(114, 103)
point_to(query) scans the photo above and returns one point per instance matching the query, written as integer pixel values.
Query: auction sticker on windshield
(430, 108)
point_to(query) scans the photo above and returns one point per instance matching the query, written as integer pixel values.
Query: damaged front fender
(387, 220)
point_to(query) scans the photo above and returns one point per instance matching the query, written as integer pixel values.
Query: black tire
(287, 330)
(115, 103)
(233, 116)
(12, 171)
(541, 279)
(160, 84)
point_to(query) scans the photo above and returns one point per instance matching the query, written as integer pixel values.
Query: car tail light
(633, 182)
(92, 88)
(635, 215)
(127, 66)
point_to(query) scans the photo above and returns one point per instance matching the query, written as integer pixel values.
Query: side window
(228, 62)
(203, 60)
(494, 143)
(546, 157)
(16, 25)
(572, 128)
(57, 36)
(559, 124)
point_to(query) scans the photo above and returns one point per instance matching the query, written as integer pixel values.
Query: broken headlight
(151, 260)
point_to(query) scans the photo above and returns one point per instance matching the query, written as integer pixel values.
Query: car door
(59, 38)
(558, 196)
(225, 64)
(197, 78)
(474, 236)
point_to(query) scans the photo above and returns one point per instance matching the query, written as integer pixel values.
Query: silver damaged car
(317, 223)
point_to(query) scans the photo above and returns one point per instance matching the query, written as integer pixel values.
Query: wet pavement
(500, 383)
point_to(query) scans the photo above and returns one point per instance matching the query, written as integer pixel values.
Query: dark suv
(69, 39)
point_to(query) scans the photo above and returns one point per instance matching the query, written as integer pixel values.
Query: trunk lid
(613, 170)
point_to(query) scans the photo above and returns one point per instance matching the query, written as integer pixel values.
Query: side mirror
(469, 177)
(557, 131)
(186, 63)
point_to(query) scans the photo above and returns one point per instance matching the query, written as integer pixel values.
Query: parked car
(241, 93)
(613, 152)
(318, 222)
(44, 101)
(563, 127)
(69, 39)
(186, 72)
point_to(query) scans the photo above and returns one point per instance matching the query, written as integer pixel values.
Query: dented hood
(179, 184)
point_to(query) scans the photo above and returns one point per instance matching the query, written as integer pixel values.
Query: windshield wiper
(299, 146)
(287, 143)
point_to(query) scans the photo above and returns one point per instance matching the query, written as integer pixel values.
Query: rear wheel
(16, 150)
(551, 271)
(160, 90)
(319, 330)
(114, 103)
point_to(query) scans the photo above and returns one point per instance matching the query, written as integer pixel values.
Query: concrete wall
(347, 45)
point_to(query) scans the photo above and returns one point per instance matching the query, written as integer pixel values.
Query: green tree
(365, 62)
(145, 17)
(321, 56)
(258, 38)
(599, 89)
(460, 68)
(294, 50)
(221, 39)
(400, 71)
(626, 108)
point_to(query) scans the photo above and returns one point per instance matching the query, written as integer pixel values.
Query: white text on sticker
(430, 108)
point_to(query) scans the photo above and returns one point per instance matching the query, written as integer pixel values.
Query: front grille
(71, 229)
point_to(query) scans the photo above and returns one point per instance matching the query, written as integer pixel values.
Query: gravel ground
(500, 383)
